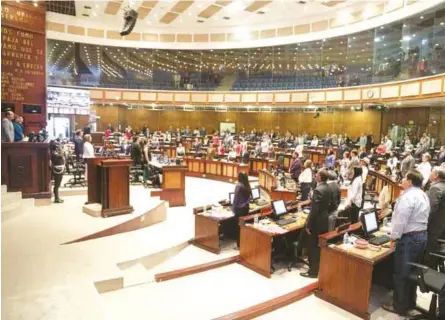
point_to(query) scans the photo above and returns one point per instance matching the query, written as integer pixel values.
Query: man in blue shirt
(409, 236)
(18, 128)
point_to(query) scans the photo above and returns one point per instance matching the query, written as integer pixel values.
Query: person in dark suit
(136, 151)
(86, 129)
(336, 192)
(317, 222)
(78, 145)
(295, 167)
(436, 219)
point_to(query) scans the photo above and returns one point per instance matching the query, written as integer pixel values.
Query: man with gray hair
(436, 220)
(8, 127)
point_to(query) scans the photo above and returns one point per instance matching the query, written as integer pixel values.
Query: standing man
(78, 145)
(335, 198)
(407, 163)
(8, 127)
(18, 129)
(436, 219)
(317, 222)
(295, 167)
(409, 237)
(362, 141)
(86, 129)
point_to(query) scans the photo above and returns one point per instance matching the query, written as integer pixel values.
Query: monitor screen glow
(279, 207)
(371, 222)
(255, 193)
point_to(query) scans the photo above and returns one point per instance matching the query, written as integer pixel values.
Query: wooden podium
(25, 168)
(173, 185)
(109, 185)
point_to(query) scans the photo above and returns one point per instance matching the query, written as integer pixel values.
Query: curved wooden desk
(173, 184)
(382, 180)
(214, 169)
(346, 275)
(267, 182)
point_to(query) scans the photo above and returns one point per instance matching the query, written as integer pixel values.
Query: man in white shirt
(409, 236)
(362, 141)
(364, 163)
(264, 146)
(388, 144)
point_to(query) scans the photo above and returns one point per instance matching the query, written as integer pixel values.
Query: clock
(370, 93)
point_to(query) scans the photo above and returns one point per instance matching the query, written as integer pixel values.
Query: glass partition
(402, 50)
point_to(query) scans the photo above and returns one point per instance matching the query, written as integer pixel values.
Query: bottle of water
(298, 208)
(346, 238)
(255, 219)
(385, 221)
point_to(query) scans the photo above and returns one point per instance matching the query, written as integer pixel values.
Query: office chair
(428, 280)
(136, 171)
(78, 172)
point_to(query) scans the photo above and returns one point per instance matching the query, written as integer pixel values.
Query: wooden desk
(346, 276)
(208, 227)
(382, 180)
(267, 182)
(25, 168)
(256, 242)
(173, 184)
(257, 164)
(214, 169)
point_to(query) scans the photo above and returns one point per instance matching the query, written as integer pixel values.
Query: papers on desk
(270, 228)
(218, 214)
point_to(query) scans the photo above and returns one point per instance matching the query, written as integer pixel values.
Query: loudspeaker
(130, 17)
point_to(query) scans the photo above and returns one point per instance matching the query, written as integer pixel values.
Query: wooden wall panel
(401, 116)
(341, 121)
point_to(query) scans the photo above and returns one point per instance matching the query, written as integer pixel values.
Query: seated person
(221, 150)
(210, 153)
(381, 149)
(314, 141)
(232, 155)
(384, 198)
(180, 151)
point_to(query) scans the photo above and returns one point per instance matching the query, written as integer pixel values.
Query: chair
(78, 178)
(136, 171)
(428, 280)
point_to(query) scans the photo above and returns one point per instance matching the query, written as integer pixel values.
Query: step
(16, 208)
(136, 274)
(10, 197)
(4, 188)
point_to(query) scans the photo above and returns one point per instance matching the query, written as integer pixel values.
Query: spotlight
(130, 18)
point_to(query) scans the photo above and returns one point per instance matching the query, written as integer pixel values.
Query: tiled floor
(42, 279)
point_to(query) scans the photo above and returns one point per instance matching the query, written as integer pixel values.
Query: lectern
(109, 185)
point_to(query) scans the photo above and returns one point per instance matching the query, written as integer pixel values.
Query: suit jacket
(335, 196)
(7, 130)
(407, 164)
(78, 145)
(318, 219)
(436, 219)
(295, 168)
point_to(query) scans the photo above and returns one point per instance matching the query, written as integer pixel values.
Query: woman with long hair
(241, 200)
(355, 194)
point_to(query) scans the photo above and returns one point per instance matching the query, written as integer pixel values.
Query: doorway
(59, 127)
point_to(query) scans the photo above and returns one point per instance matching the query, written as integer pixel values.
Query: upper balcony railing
(398, 51)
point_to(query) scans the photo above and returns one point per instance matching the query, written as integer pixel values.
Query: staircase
(14, 205)
(227, 83)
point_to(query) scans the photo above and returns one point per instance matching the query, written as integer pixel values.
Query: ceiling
(214, 14)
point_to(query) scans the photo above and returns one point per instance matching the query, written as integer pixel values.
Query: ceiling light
(442, 23)
(421, 17)
(399, 103)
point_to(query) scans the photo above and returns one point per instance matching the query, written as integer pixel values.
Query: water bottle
(346, 238)
(385, 221)
(255, 219)
(298, 208)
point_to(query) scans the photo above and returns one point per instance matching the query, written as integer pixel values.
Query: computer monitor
(231, 197)
(279, 208)
(369, 223)
(256, 193)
